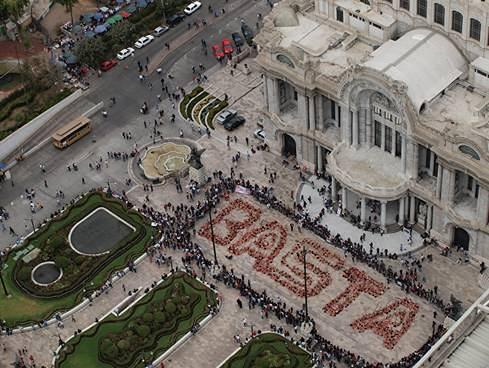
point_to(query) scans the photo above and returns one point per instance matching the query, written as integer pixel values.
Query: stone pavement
(392, 241)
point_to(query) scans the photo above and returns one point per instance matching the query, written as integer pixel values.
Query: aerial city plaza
(244, 184)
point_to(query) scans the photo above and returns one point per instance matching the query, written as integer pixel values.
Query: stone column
(432, 162)
(345, 124)
(412, 209)
(312, 112)
(429, 216)
(448, 185)
(343, 197)
(273, 95)
(414, 158)
(402, 211)
(302, 109)
(333, 189)
(363, 209)
(382, 139)
(439, 181)
(403, 153)
(368, 128)
(383, 213)
(319, 153)
(320, 110)
(355, 128)
(483, 206)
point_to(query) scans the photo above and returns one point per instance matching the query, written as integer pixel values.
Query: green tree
(120, 35)
(91, 51)
(68, 4)
(38, 74)
(12, 10)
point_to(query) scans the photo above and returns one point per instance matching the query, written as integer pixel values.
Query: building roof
(473, 352)
(425, 60)
(481, 64)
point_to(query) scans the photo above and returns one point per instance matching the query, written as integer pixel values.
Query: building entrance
(461, 238)
(288, 146)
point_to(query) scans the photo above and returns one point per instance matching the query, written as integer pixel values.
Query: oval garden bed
(145, 331)
(32, 301)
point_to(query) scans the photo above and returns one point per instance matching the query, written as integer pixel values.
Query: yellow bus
(72, 132)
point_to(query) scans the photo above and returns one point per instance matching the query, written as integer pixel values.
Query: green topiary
(109, 349)
(160, 317)
(170, 307)
(62, 262)
(142, 330)
(148, 317)
(123, 345)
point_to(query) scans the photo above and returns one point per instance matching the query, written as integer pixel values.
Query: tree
(120, 35)
(39, 74)
(12, 10)
(68, 4)
(91, 51)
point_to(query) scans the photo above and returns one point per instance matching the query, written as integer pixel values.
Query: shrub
(160, 317)
(123, 345)
(79, 260)
(142, 330)
(187, 98)
(194, 102)
(24, 274)
(62, 262)
(185, 299)
(109, 349)
(170, 307)
(148, 317)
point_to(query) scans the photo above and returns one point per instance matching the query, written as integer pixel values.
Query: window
(457, 21)
(475, 29)
(365, 2)
(439, 16)
(422, 8)
(388, 139)
(333, 110)
(378, 134)
(404, 4)
(398, 144)
(339, 15)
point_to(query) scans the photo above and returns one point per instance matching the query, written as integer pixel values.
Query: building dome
(285, 17)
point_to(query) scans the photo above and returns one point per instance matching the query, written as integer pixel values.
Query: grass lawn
(269, 351)
(91, 349)
(42, 302)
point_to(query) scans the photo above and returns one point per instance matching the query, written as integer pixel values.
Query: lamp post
(306, 310)
(1, 279)
(212, 228)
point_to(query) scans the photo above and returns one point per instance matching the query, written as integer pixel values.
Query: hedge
(194, 102)
(187, 98)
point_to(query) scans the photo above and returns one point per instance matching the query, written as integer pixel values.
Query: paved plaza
(339, 315)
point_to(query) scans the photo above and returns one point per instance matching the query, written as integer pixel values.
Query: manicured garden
(186, 99)
(81, 274)
(269, 350)
(145, 331)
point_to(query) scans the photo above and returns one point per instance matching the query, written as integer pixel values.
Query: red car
(217, 52)
(227, 46)
(107, 65)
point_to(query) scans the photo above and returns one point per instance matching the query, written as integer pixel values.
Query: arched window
(457, 21)
(439, 16)
(475, 29)
(469, 151)
(404, 4)
(422, 8)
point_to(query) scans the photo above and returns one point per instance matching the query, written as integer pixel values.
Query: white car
(125, 53)
(225, 116)
(192, 7)
(259, 134)
(160, 30)
(143, 41)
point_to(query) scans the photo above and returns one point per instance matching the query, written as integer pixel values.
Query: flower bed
(186, 99)
(147, 330)
(199, 107)
(194, 102)
(213, 112)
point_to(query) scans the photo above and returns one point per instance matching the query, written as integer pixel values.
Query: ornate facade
(390, 99)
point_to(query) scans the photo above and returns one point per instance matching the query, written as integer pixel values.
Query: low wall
(15, 140)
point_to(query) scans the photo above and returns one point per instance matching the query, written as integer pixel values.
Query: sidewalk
(392, 242)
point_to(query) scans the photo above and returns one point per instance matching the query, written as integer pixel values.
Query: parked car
(225, 116)
(174, 19)
(247, 33)
(217, 52)
(160, 30)
(227, 47)
(124, 53)
(238, 40)
(143, 41)
(192, 7)
(259, 134)
(234, 122)
(107, 65)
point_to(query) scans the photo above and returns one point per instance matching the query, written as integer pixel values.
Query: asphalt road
(122, 83)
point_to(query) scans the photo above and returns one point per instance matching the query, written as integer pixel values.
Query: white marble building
(390, 98)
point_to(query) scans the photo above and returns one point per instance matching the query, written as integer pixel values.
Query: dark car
(247, 33)
(238, 40)
(175, 19)
(234, 122)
